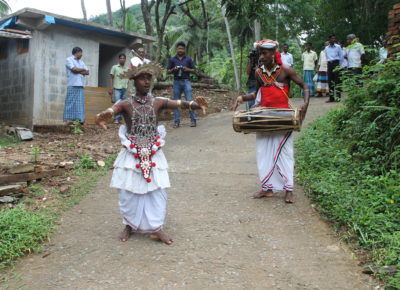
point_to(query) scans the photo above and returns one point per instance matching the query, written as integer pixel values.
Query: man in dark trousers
(334, 56)
(181, 66)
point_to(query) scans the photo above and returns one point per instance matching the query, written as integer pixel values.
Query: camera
(253, 57)
(180, 69)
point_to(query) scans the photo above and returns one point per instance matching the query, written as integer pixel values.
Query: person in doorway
(118, 84)
(309, 58)
(140, 170)
(74, 108)
(333, 55)
(275, 160)
(181, 66)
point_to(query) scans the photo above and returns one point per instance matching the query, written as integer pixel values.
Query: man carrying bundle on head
(275, 159)
(140, 170)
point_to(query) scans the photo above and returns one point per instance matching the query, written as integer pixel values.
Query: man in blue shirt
(74, 108)
(334, 56)
(181, 66)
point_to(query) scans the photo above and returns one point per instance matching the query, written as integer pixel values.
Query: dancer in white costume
(140, 170)
(275, 160)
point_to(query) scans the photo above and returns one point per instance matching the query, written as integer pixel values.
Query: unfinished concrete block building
(33, 47)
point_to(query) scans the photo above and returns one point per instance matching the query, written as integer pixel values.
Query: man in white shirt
(139, 55)
(334, 55)
(287, 58)
(383, 52)
(355, 54)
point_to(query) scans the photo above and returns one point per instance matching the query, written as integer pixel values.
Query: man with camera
(181, 66)
(252, 65)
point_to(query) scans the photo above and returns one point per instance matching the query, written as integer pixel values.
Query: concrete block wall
(15, 86)
(51, 48)
(393, 34)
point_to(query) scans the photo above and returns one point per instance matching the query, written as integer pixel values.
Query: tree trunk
(228, 31)
(83, 9)
(123, 10)
(146, 13)
(109, 12)
(160, 25)
(257, 30)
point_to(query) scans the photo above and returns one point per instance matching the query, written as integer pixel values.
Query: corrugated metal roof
(6, 34)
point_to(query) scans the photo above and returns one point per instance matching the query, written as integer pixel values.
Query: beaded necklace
(143, 133)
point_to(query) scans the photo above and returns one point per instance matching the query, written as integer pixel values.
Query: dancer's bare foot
(261, 194)
(163, 237)
(289, 197)
(125, 234)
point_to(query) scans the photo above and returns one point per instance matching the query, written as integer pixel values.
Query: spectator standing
(322, 87)
(334, 55)
(181, 66)
(118, 85)
(251, 67)
(383, 52)
(355, 54)
(74, 108)
(287, 58)
(139, 55)
(309, 58)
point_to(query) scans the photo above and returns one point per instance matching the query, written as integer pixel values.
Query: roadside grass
(364, 207)
(8, 141)
(24, 228)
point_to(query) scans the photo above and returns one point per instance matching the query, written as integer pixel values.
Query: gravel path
(223, 238)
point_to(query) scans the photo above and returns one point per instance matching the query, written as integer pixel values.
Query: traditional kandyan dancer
(275, 160)
(140, 170)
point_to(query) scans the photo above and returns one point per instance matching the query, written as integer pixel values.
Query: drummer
(275, 159)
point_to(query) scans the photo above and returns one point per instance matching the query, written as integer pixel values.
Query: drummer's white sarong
(143, 205)
(275, 160)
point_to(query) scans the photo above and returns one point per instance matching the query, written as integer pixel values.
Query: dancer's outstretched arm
(199, 103)
(102, 117)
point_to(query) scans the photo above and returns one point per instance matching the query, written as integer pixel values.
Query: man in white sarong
(140, 170)
(275, 159)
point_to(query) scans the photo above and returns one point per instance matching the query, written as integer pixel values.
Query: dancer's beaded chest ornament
(143, 133)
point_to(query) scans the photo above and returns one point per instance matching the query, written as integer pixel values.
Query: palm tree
(109, 13)
(4, 8)
(83, 9)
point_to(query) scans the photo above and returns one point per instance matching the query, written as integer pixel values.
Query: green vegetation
(4, 8)
(77, 127)
(8, 141)
(85, 162)
(21, 232)
(25, 227)
(293, 22)
(348, 162)
(35, 154)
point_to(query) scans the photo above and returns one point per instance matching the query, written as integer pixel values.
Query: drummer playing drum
(275, 159)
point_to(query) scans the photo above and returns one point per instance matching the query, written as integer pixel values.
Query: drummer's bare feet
(163, 237)
(261, 194)
(289, 197)
(125, 234)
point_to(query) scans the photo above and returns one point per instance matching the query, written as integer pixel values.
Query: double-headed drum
(260, 119)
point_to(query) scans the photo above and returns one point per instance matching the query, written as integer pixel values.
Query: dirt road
(223, 239)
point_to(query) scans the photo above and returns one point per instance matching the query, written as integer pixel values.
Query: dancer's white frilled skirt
(142, 204)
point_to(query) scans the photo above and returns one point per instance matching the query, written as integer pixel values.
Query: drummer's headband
(266, 43)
